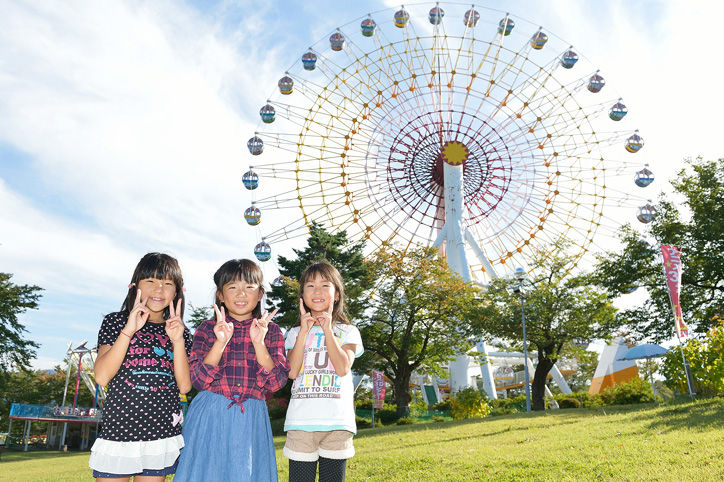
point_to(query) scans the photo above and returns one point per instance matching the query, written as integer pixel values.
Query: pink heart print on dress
(145, 337)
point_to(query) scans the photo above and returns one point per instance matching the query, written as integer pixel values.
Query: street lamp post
(521, 275)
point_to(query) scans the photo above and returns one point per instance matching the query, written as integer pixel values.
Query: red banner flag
(672, 272)
(378, 388)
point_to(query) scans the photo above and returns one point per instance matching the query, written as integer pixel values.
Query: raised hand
(175, 325)
(325, 318)
(138, 316)
(306, 320)
(223, 330)
(260, 327)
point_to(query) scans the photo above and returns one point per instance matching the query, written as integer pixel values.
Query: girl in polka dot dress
(143, 360)
(236, 360)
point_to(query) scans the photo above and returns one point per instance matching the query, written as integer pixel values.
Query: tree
(41, 387)
(560, 311)
(336, 249)
(198, 315)
(696, 226)
(15, 351)
(422, 315)
(586, 363)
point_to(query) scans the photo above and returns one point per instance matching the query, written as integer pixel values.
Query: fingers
(301, 307)
(138, 296)
(266, 317)
(331, 307)
(219, 313)
(174, 312)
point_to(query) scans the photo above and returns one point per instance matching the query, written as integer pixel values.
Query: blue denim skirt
(225, 443)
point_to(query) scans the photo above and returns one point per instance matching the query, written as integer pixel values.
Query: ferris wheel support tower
(455, 236)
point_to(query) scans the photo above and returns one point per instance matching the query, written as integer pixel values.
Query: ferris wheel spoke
(372, 129)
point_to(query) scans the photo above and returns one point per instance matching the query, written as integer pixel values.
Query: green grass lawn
(672, 441)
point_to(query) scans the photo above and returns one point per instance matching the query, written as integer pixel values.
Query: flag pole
(687, 367)
(671, 257)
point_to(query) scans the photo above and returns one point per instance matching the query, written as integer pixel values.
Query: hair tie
(183, 289)
(131, 285)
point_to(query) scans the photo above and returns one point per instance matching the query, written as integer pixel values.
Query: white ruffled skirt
(134, 457)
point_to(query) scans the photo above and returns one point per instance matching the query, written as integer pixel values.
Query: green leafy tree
(15, 351)
(692, 219)
(422, 315)
(706, 359)
(198, 315)
(41, 387)
(560, 310)
(586, 363)
(345, 256)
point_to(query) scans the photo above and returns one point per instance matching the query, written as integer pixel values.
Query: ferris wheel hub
(455, 153)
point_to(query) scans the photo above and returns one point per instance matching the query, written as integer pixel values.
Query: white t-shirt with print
(322, 401)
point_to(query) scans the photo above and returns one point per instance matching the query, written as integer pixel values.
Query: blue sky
(123, 126)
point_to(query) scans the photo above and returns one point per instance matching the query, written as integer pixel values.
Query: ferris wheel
(468, 129)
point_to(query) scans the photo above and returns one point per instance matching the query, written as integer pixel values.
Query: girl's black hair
(159, 266)
(238, 270)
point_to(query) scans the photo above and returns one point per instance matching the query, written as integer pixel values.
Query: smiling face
(317, 294)
(158, 293)
(240, 298)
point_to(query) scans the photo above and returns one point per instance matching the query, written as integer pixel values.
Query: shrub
(438, 418)
(363, 422)
(364, 403)
(405, 421)
(443, 406)
(277, 426)
(706, 359)
(506, 406)
(569, 403)
(504, 402)
(277, 408)
(418, 409)
(469, 403)
(626, 393)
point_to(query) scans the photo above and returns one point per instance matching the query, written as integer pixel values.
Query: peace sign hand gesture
(260, 327)
(325, 318)
(306, 320)
(138, 315)
(175, 325)
(222, 329)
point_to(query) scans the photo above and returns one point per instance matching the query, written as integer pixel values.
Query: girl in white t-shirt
(321, 349)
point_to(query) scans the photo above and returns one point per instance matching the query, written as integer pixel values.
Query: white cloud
(134, 117)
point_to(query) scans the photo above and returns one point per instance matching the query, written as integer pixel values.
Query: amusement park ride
(444, 127)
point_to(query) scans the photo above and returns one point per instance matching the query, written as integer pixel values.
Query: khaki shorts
(309, 446)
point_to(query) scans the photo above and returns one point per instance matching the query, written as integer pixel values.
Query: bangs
(159, 266)
(238, 270)
(324, 270)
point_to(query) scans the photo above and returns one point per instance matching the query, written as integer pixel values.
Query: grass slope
(674, 441)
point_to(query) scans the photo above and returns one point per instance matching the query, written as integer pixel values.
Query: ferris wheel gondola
(374, 121)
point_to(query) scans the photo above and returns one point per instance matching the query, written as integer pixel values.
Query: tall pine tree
(342, 254)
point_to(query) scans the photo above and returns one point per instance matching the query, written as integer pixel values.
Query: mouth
(157, 300)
